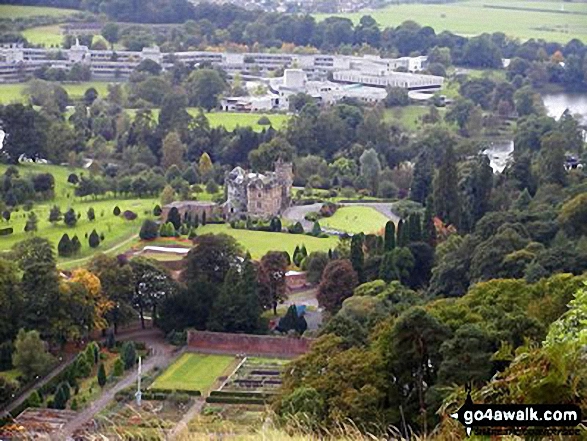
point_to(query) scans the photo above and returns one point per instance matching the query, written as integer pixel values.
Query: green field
(44, 35)
(118, 232)
(542, 19)
(10, 93)
(232, 120)
(193, 372)
(14, 11)
(258, 243)
(355, 220)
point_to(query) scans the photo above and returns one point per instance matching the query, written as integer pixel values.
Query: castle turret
(284, 174)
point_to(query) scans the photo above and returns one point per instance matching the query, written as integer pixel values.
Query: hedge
(193, 393)
(234, 400)
(241, 394)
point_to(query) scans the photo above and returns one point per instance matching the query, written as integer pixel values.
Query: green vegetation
(355, 220)
(44, 35)
(116, 230)
(10, 93)
(258, 243)
(193, 372)
(471, 17)
(18, 11)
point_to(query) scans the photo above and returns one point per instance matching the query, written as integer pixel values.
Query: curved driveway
(296, 213)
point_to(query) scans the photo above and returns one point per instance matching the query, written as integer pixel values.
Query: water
(556, 103)
(499, 153)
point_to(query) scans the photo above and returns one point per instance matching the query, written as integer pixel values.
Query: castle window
(259, 204)
(259, 194)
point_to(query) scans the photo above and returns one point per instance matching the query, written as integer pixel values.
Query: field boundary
(521, 8)
(224, 343)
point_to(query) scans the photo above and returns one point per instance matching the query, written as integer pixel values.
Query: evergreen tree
(428, 229)
(101, 375)
(387, 268)
(91, 214)
(129, 354)
(389, 236)
(116, 211)
(303, 252)
(149, 230)
(60, 399)
(203, 218)
(157, 210)
(422, 180)
(316, 229)
(94, 239)
(174, 217)
(55, 214)
(523, 200)
(70, 218)
(415, 227)
(297, 258)
(64, 247)
(446, 191)
(31, 223)
(76, 245)
(357, 256)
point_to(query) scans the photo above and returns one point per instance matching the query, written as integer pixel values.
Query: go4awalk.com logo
(518, 419)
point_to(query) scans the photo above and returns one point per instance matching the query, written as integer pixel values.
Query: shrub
(264, 121)
(179, 398)
(94, 240)
(116, 211)
(149, 230)
(129, 215)
(157, 210)
(129, 354)
(118, 369)
(312, 216)
(212, 187)
(70, 218)
(34, 399)
(82, 366)
(6, 231)
(296, 228)
(91, 214)
(316, 229)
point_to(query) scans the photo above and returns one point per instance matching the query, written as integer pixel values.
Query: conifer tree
(64, 247)
(389, 236)
(428, 229)
(358, 256)
(101, 375)
(447, 203)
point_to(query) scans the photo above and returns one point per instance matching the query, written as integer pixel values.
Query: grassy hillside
(117, 230)
(11, 93)
(533, 19)
(17, 11)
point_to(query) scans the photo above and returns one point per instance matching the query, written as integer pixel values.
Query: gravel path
(297, 212)
(182, 425)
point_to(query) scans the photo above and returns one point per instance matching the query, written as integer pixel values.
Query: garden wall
(248, 344)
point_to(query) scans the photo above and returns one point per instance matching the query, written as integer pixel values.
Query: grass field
(116, 230)
(410, 116)
(355, 220)
(258, 243)
(14, 11)
(47, 36)
(540, 19)
(10, 93)
(232, 120)
(193, 372)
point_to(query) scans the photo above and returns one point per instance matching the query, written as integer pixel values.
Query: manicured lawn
(48, 36)
(14, 11)
(355, 220)
(193, 372)
(258, 243)
(10, 93)
(470, 17)
(410, 117)
(116, 230)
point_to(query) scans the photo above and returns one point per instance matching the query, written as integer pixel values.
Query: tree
(482, 52)
(129, 354)
(76, 245)
(64, 248)
(173, 151)
(55, 215)
(370, 169)
(314, 266)
(292, 321)
(27, 132)
(94, 239)
(446, 192)
(205, 166)
(30, 355)
(174, 218)
(61, 396)
(102, 375)
(357, 256)
(118, 369)
(167, 195)
(237, 307)
(272, 284)
(316, 229)
(389, 240)
(423, 176)
(396, 96)
(339, 279)
(552, 159)
(31, 223)
(70, 218)
(11, 304)
(110, 34)
(116, 211)
(149, 230)
(204, 87)
(91, 214)
(573, 215)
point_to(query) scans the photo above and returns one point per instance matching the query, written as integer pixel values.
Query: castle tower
(284, 174)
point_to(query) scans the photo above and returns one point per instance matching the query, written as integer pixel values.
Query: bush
(116, 211)
(118, 369)
(149, 230)
(264, 121)
(296, 228)
(34, 399)
(157, 211)
(6, 231)
(179, 398)
(234, 400)
(129, 215)
(129, 354)
(312, 216)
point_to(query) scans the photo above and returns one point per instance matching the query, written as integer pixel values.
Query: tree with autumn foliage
(339, 279)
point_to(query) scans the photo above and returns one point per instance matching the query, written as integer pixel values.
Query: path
(25, 394)
(182, 425)
(297, 213)
(161, 355)
(69, 264)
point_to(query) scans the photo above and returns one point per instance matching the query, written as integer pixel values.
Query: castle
(260, 195)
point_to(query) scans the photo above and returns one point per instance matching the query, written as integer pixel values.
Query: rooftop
(184, 204)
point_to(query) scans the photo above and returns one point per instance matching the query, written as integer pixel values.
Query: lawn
(194, 372)
(47, 36)
(231, 120)
(14, 11)
(116, 230)
(355, 220)
(258, 243)
(10, 93)
(410, 117)
(540, 19)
